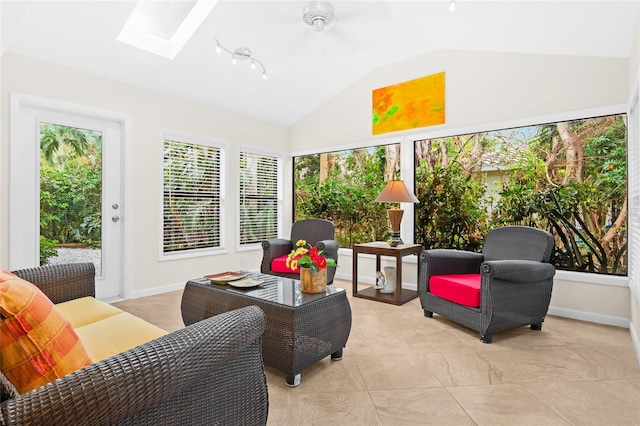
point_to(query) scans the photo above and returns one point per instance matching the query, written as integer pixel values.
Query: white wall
(601, 300)
(480, 89)
(486, 91)
(150, 112)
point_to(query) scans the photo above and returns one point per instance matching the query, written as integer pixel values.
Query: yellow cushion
(37, 343)
(116, 334)
(86, 310)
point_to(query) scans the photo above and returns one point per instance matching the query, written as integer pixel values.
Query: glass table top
(284, 291)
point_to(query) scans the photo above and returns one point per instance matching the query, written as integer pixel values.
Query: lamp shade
(396, 192)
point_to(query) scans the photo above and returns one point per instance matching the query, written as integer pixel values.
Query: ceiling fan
(302, 28)
(319, 14)
(312, 29)
(348, 28)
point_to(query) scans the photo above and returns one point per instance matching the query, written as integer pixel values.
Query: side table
(401, 295)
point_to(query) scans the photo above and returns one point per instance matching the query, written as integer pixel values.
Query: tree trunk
(574, 153)
(552, 160)
(444, 155)
(620, 221)
(472, 162)
(392, 163)
(326, 164)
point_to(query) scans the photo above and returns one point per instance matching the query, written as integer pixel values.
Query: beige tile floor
(401, 368)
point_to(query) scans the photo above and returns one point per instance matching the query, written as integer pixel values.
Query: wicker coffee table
(301, 328)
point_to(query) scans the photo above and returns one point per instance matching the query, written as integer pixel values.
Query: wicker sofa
(208, 373)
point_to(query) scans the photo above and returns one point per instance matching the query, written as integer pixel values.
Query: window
(193, 195)
(341, 186)
(568, 177)
(260, 197)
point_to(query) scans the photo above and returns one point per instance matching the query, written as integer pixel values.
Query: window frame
(407, 172)
(633, 192)
(406, 207)
(202, 141)
(280, 157)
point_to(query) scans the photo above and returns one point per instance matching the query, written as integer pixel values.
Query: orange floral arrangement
(307, 256)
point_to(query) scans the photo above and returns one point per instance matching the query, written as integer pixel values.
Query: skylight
(164, 27)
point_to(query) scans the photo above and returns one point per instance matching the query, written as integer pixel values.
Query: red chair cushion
(279, 264)
(458, 288)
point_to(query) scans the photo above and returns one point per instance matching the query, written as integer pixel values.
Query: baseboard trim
(589, 316)
(346, 277)
(155, 290)
(560, 312)
(371, 281)
(635, 340)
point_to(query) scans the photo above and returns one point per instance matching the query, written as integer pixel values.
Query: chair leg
(486, 338)
(428, 314)
(537, 326)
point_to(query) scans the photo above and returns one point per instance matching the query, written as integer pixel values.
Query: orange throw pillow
(37, 343)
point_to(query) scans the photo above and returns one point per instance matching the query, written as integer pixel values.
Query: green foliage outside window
(582, 202)
(449, 214)
(345, 196)
(70, 188)
(70, 204)
(569, 178)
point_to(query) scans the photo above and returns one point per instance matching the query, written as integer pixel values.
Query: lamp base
(395, 239)
(395, 217)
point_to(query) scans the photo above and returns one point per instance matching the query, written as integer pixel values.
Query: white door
(29, 117)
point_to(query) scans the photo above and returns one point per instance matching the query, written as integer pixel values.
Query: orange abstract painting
(414, 103)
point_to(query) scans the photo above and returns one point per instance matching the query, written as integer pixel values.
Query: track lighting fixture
(242, 54)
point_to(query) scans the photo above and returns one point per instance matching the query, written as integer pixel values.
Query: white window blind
(259, 197)
(633, 182)
(192, 196)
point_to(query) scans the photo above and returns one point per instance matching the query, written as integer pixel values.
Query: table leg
(336, 356)
(398, 279)
(293, 380)
(354, 272)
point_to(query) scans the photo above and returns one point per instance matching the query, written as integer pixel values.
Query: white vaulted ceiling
(306, 68)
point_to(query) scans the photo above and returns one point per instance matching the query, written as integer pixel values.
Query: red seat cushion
(458, 288)
(279, 264)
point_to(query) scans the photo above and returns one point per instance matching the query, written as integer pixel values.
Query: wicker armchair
(318, 232)
(208, 373)
(516, 279)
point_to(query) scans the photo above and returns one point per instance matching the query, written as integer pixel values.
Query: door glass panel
(70, 195)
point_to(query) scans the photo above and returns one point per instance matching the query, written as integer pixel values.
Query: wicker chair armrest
(277, 247)
(518, 271)
(449, 261)
(272, 249)
(62, 282)
(210, 372)
(329, 248)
